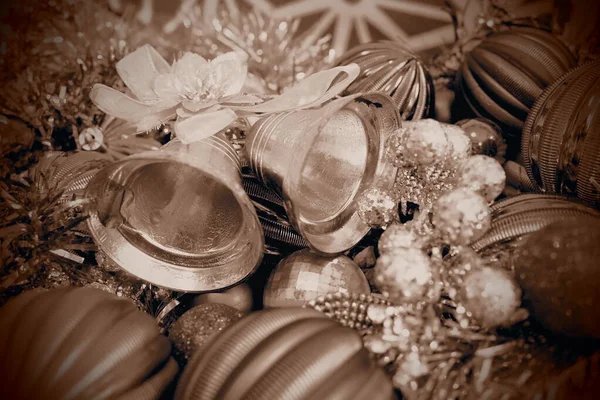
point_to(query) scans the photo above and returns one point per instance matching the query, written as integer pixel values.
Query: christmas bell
(178, 217)
(320, 161)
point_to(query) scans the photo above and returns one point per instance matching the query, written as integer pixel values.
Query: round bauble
(561, 137)
(491, 296)
(486, 137)
(557, 269)
(403, 274)
(483, 175)
(397, 236)
(80, 344)
(239, 297)
(294, 354)
(377, 207)
(387, 67)
(305, 275)
(196, 326)
(501, 78)
(461, 216)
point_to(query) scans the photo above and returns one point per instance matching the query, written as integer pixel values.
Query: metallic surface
(561, 137)
(319, 161)
(178, 217)
(503, 76)
(304, 276)
(81, 344)
(387, 67)
(522, 215)
(293, 354)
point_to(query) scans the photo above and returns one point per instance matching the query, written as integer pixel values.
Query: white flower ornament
(204, 96)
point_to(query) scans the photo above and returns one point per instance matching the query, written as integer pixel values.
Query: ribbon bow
(204, 96)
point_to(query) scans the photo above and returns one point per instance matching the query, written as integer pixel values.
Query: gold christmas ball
(305, 275)
(284, 353)
(81, 343)
(486, 137)
(557, 269)
(502, 77)
(239, 297)
(561, 138)
(196, 326)
(387, 67)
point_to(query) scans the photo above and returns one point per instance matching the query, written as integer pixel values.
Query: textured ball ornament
(196, 327)
(557, 269)
(397, 236)
(387, 67)
(304, 276)
(425, 142)
(502, 77)
(239, 297)
(461, 216)
(82, 344)
(459, 145)
(485, 137)
(483, 175)
(377, 207)
(561, 138)
(290, 353)
(403, 274)
(491, 296)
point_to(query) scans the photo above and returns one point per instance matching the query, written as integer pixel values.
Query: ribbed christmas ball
(387, 67)
(81, 344)
(305, 275)
(561, 138)
(502, 77)
(285, 353)
(557, 269)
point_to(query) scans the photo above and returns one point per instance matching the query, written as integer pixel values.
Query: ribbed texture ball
(81, 344)
(561, 137)
(389, 68)
(291, 354)
(502, 77)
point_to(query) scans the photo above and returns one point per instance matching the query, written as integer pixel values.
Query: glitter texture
(489, 184)
(377, 208)
(196, 326)
(397, 236)
(425, 142)
(403, 274)
(305, 275)
(461, 216)
(491, 296)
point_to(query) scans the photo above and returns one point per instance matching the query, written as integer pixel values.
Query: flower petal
(167, 88)
(230, 70)
(203, 125)
(155, 120)
(241, 99)
(139, 70)
(119, 105)
(310, 92)
(195, 106)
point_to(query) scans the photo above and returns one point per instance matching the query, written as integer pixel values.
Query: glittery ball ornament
(239, 297)
(491, 296)
(425, 142)
(305, 275)
(461, 216)
(403, 274)
(459, 145)
(483, 175)
(557, 269)
(196, 326)
(485, 137)
(377, 207)
(397, 236)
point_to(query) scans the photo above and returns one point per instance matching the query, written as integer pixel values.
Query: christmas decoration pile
(220, 190)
